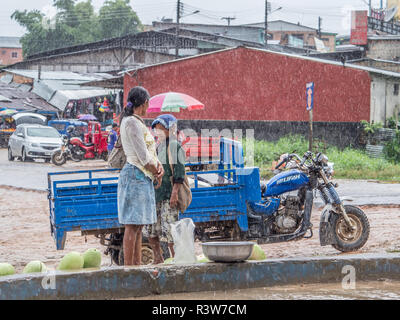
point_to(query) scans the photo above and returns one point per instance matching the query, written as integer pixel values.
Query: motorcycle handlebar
(281, 163)
(290, 156)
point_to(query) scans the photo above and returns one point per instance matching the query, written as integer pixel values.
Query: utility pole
(319, 26)
(228, 19)
(370, 8)
(266, 24)
(178, 15)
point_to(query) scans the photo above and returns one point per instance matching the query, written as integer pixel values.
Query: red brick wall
(247, 84)
(6, 57)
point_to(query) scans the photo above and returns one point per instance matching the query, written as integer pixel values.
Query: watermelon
(202, 259)
(35, 266)
(71, 261)
(169, 261)
(6, 269)
(92, 258)
(257, 253)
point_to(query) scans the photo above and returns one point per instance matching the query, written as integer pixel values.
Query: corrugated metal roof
(62, 97)
(6, 78)
(43, 89)
(10, 42)
(385, 37)
(4, 99)
(53, 75)
(280, 25)
(22, 99)
(112, 83)
(58, 88)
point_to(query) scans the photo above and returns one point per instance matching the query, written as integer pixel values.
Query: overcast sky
(335, 14)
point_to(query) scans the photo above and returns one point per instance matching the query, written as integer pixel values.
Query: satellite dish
(390, 13)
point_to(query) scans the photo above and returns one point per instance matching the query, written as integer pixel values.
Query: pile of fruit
(71, 261)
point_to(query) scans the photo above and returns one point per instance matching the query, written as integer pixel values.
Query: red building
(252, 86)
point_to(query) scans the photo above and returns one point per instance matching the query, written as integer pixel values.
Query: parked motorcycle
(285, 212)
(76, 149)
(67, 151)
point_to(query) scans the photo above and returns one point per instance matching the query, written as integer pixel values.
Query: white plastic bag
(183, 234)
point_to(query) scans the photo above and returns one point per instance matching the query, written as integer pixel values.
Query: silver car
(30, 141)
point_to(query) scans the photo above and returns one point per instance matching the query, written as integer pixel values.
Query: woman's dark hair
(136, 97)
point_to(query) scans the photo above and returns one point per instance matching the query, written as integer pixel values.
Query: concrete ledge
(121, 282)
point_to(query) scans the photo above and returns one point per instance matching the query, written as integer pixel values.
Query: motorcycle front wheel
(348, 239)
(58, 158)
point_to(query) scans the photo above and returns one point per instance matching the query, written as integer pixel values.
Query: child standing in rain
(170, 154)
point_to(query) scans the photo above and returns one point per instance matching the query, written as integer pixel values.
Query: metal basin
(227, 251)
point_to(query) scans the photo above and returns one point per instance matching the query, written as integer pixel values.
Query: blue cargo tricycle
(229, 203)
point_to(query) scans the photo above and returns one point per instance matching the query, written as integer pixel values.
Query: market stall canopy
(87, 117)
(173, 102)
(8, 112)
(62, 97)
(28, 117)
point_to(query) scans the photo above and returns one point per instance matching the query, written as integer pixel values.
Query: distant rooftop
(15, 96)
(384, 37)
(281, 25)
(10, 42)
(59, 75)
(59, 87)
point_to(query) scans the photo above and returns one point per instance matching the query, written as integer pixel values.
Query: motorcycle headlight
(329, 168)
(323, 159)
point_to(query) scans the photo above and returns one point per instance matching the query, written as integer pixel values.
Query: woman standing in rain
(136, 197)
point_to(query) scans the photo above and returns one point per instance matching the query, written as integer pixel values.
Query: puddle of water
(371, 290)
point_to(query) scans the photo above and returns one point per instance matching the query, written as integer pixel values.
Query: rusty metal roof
(22, 100)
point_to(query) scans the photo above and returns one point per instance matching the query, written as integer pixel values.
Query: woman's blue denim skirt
(136, 198)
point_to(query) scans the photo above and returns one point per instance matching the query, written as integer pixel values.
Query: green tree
(32, 41)
(117, 19)
(75, 23)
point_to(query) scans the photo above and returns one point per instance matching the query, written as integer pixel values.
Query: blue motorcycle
(284, 213)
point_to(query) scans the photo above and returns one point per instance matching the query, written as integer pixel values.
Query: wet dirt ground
(25, 233)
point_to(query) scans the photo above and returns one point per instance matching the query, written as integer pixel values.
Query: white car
(33, 141)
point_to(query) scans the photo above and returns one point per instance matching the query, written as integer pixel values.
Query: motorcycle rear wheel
(75, 157)
(58, 158)
(346, 239)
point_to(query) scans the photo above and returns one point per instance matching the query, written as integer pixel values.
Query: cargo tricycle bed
(86, 201)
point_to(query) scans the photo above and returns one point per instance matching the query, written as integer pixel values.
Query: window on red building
(14, 54)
